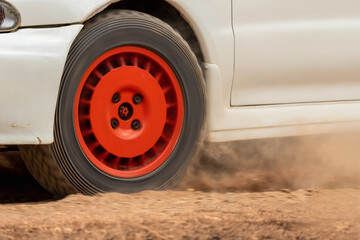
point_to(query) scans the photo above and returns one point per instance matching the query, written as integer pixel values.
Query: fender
(53, 12)
(215, 36)
(31, 66)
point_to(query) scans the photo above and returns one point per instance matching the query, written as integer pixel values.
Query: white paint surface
(296, 51)
(32, 61)
(54, 12)
(31, 66)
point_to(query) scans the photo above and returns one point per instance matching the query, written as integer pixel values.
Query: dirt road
(286, 189)
(327, 214)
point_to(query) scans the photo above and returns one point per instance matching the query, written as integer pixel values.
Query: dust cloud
(320, 162)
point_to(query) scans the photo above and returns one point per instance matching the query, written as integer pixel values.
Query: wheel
(130, 111)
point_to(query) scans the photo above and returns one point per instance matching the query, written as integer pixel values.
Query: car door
(296, 51)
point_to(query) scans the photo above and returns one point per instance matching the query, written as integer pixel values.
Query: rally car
(118, 95)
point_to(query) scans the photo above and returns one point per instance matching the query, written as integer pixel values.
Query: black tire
(63, 168)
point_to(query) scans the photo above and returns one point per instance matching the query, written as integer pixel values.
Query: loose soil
(223, 196)
(302, 214)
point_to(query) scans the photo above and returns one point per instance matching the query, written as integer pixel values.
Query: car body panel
(251, 122)
(31, 66)
(32, 60)
(215, 36)
(296, 52)
(54, 12)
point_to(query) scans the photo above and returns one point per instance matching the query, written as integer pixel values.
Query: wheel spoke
(87, 132)
(122, 61)
(148, 66)
(89, 86)
(102, 156)
(155, 150)
(116, 162)
(130, 161)
(84, 101)
(135, 61)
(98, 74)
(142, 159)
(158, 76)
(164, 137)
(84, 117)
(167, 89)
(109, 65)
(171, 105)
(169, 122)
(93, 145)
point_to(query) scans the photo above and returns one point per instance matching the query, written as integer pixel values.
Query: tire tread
(43, 167)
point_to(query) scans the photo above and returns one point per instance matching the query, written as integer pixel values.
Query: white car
(109, 95)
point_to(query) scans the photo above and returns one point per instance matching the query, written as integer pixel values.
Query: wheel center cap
(140, 125)
(125, 111)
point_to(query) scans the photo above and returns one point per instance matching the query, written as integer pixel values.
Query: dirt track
(301, 214)
(285, 189)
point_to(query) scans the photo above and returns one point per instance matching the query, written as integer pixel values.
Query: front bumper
(31, 65)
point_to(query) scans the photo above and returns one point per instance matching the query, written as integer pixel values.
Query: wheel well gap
(167, 13)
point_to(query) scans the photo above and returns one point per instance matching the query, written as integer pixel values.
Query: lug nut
(114, 123)
(135, 125)
(137, 99)
(115, 98)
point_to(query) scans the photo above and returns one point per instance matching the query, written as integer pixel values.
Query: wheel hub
(124, 141)
(125, 111)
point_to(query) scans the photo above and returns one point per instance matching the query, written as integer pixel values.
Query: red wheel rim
(128, 112)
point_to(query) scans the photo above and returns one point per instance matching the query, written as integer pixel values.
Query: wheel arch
(167, 11)
(207, 27)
